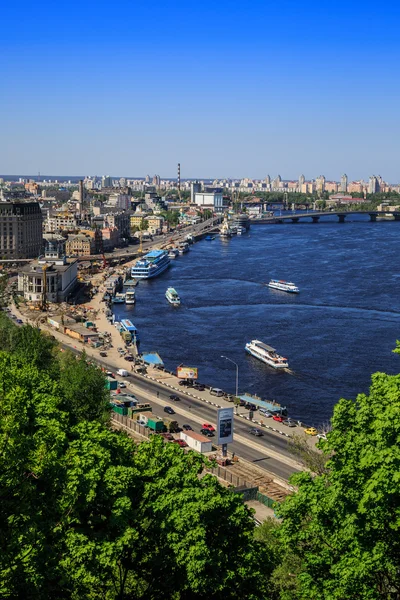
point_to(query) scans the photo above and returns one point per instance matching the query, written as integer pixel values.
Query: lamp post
(237, 372)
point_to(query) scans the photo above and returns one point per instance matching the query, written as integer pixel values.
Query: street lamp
(237, 372)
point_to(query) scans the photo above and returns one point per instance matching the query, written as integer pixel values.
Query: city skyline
(225, 90)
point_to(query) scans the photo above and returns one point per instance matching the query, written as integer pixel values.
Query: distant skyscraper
(343, 183)
(302, 180)
(268, 180)
(373, 185)
(147, 179)
(106, 181)
(156, 180)
(122, 182)
(276, 181)
(320, 181)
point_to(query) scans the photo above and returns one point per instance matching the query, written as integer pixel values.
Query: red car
(278, 418)
(208, 427)
(168, 436)
(181, 443)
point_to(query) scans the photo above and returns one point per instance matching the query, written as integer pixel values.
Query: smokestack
(81, 192)
(179, 176)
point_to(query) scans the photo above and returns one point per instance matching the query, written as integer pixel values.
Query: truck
(151, 421)
(111, 384)
(123, 372)
(139, 408)
(170, 425)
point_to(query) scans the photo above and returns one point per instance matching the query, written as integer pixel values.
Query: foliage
(86, 513)
(171, 216)
(344, 524)
(82, 386)
(311, 458)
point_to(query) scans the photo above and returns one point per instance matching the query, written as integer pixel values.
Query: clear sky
(228, 89)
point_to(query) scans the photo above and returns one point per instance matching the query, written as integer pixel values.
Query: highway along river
(336, 332)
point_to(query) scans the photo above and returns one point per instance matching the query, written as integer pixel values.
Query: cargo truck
(170, 425)
(151, 421)
(111, 384)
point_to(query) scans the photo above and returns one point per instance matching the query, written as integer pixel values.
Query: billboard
(186, 372)
(225, 425)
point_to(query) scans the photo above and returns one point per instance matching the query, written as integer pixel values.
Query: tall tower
(302, 180)
(343, 183)
(179, 178)
(80, 202)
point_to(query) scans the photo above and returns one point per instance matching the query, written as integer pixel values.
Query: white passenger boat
(172, 296)
(173, 253)
(152, 264)
(266, 354)
(241, 230)
(283, 286)
(225, 231)
(130, 297)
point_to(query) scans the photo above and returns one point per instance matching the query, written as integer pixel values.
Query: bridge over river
(314, 217)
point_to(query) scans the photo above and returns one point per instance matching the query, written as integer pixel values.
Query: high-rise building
(195, 187)
(343, 183)
(320, 181)
(268, 180)
(373, 185)
(21, 233)
(106, 181)
(302, 180)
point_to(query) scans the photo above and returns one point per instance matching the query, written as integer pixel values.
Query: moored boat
(183, 247)
(152, 264)
(266, 354)
(283, 286)
(119, 298)
(130, 297)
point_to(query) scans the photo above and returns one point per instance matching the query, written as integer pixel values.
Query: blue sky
(229, 89)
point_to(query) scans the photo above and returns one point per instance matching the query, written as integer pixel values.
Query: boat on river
(283, 286)
(266, 354)
(172, 296)
(130, 297)
(119, 298)
(152, 264)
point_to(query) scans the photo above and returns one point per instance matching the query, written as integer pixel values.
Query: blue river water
(336, 332)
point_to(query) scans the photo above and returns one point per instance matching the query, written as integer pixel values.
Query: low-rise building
(111, 237)
(210, 200)
(80, 245)
(63, 221)
(52, 275)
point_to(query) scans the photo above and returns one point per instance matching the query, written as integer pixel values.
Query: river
(336, 332)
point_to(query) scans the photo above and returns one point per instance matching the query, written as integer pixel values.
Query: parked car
(109, 374)
(128, 358)
(169, 410)
(250, 406)
(181, 443)
(311, 431)
(103, 354)
(278, 418)
(200, 387)
(256, 432)
(321, 436)
(242, 402)
(19, 321)
(265, 413)
(207, 432)
(208, 427)
(185, 383)
(187, 427)
(174, 397)
(289, 423)
(122, 385)
(168, 436)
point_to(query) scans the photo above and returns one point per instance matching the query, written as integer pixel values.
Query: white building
(211, 200)
(196, 441)
(60, 273)
(121, 201)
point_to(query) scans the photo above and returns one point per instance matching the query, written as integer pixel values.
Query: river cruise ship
(130, 297)
(152, 264)
(266, 354)
(172, 296)
(283, 286)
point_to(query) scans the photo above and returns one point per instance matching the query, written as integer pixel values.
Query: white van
(123, 372)
(216, 392)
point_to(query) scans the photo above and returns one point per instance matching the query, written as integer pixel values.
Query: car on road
(19, 321)
(250, 406)
(311, 431)
(174, 397)
(13, 316)
(168, 436)
(256, 432)
(322, 436)
(242, 402)
(169, 410)
(187, 427)
(103, 354)
(278, 418)
(289, 423)
(185, 383)
(207, 432)
(208, 426)
(128, 358)
(122, 384)
(181, 443)
(109, 374)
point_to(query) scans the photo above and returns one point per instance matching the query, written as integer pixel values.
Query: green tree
(344, 524)
(82, 386)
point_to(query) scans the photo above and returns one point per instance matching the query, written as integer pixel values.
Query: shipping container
(111, 384)
(121, 410)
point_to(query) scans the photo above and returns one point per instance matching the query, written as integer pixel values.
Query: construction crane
(43, 303)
